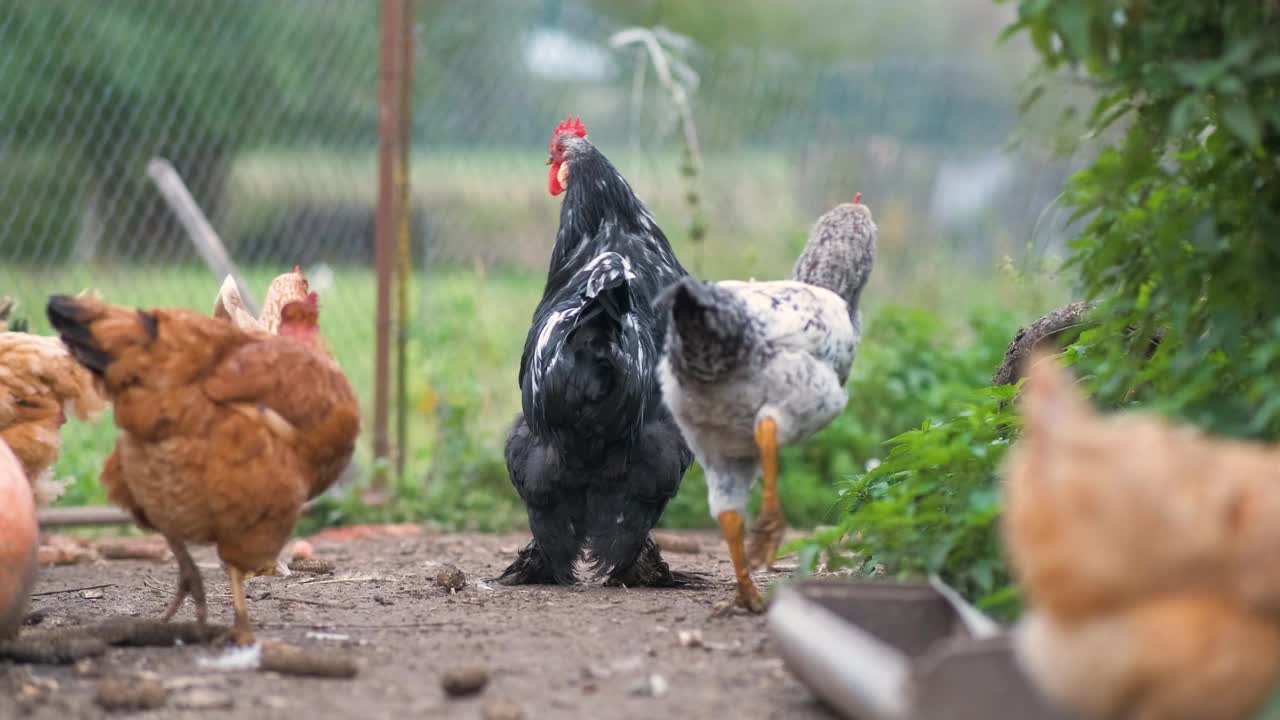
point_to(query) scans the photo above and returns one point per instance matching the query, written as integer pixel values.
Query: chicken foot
(766, 533)
(748, 597)
(241, 633)
(189, 583)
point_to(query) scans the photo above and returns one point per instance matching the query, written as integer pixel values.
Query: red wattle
(553, 180)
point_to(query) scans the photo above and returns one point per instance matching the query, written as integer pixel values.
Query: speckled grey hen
(749, 366)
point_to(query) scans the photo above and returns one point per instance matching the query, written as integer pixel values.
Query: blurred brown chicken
(40, 384)
(224, 433)
(284, 289)
(17, 543)
(1148, 553)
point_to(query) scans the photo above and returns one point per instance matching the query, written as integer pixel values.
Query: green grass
(467, 331)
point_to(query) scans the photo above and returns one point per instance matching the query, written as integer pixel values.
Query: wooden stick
(71, 590)
(88, 515)
(95, 515)
(304, 601)
(320, 662)
(197, 225)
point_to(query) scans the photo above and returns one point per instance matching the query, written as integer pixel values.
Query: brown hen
(224, 433)
(40, 384)
(1148, 553)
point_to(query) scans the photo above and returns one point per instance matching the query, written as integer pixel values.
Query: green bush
(929, 505)
(1184, 207)
(1179, 254)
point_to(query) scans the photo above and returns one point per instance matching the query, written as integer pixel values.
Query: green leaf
(1198, 75)
(1229, 85)
(1238, 117)
(1188, 112)
(1072, 22)
(1266, 67)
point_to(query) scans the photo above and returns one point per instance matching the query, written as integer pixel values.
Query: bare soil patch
(533, 652)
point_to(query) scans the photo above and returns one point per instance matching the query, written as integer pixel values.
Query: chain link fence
(269, 112)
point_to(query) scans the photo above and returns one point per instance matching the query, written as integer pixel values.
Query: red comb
(857, 198)
(313, 299)
(570, 125)
(297, 270)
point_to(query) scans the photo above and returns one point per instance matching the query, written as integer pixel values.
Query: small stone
(451, 578)
(503, 710)
(689, 638)
(654, 686)
(302, 550)
(627, 664)
(275, 702)
(30, 689)
(203, 699)
(183, 683)
(383, 600)
(91, 594)
(129, 692)
(462, 681)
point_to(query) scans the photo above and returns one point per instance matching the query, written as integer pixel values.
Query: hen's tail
(230, 306)
(97, 333)
(709, 331)
(840, 252)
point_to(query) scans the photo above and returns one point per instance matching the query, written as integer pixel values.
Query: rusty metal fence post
(404, 264)
(391, 136)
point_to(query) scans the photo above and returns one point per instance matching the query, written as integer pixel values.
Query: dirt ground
(580, 652)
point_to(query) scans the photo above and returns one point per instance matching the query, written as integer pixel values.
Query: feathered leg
(748, 597)
(554, 502)
(766, 534)
(549, 558)
(648, 570)
(620, 519)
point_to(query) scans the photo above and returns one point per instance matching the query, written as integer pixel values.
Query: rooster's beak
(550, 160)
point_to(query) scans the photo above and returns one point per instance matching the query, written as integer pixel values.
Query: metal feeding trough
(901, 651)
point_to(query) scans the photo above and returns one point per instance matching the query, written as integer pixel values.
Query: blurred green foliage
(929, 503)
(94, 90)
(1183, 208)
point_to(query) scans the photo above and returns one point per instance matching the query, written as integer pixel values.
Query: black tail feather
(69, 318)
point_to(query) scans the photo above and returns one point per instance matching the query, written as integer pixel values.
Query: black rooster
(596, 455)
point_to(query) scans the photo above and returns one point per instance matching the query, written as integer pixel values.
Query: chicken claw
(766, 533)
(748, 598)
(241, 634)
(189, 583)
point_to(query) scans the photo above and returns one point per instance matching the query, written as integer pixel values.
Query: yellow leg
(241, 634)
(748, 596)
(766, 534)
